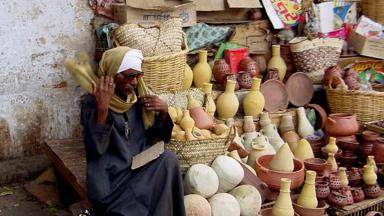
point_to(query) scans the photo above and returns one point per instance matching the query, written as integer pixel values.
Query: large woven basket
(165, 73)
(367, 105)
(373, 9)
(199, 151)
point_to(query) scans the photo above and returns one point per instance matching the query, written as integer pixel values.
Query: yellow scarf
(109, 64)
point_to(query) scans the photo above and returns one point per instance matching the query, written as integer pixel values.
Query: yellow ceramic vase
(331, 147)
(371, 162)
(187, 123)
(303, 150)
(369, 175)
(188, 78)
(332, 161)
(282, 160)
(343, 176)
(202, 72)
(253, 103)
(209, 103)
(227, 103)
(277, 62)
(283, 204)
(307, 197)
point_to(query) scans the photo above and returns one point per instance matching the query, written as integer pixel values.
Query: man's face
(126, 81)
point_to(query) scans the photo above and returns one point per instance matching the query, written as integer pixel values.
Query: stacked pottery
(368, 140)
(349, 152)
(331, 147)
(354, 177)
(371, 188)
(322, 189)
(378, 150)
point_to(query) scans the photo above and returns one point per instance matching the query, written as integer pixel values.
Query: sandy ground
(21, 203)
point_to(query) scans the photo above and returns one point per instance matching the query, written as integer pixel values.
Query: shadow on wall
(5, 137)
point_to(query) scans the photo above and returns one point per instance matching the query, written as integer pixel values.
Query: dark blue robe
(112, 186)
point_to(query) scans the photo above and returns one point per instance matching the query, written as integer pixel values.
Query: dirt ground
(15, 201)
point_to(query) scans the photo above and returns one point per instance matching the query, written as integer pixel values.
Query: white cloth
(132, 60)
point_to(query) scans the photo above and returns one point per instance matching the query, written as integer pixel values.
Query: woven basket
(314, 56)
(166, 38)
(367, 105)
(199, 151)
(373, 9)
(165, 73)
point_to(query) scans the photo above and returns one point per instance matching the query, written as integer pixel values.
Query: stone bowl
(272, 178)
(316, 164)
(319, 211)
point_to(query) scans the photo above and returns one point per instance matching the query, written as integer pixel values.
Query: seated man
(114, 132)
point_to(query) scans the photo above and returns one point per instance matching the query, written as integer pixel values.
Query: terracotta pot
(322, 189)
(244, 79)
(372, 191)
(249, 65)
(316, 164)
(358, 194)
(348, 161)
(354, 177)
(318, 211)
(348, 146)
(338, 155)
(341, 124)
(232, 77)
(348, 193)
(334, 182)
(378, 150)
(365, 149)
(334, 71)
(272, 178)
(338, 199)
(370, 135)
(220, 70)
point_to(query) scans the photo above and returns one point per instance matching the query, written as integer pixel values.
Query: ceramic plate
(300, 89)
(275, 95)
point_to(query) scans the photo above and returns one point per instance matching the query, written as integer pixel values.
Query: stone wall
(38, 98)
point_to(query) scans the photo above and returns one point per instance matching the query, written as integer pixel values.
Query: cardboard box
(367, 47)
(186, 10)
(144, 3)
(224, 11)
(254, 35)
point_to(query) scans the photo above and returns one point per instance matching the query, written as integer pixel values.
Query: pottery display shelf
(361, 208)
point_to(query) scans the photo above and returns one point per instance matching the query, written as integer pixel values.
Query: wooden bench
(68, 156)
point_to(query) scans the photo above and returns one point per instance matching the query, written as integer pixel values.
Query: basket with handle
(367, 105)
(199, 151)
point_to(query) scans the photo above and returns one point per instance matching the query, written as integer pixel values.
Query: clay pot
(348, 146)
(370, 135)
(322, 189)
(249, 65)
(341, 124)
(358, 194)
(268, 212)
(272, 178)
(378, 150)
(220, 70)
(334, 182)
(338, 199)
(348, 161)
(244, 79)
(354, 177)
(273, 73)
(365, 149)
(372, 191)
(346, 191)
(333, 71)
(318, 211)
(316, 164)
(338, 155)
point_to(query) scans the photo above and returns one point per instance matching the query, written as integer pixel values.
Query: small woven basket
(165, 73)
(367, 105)
(199, 151)
(373, 9)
